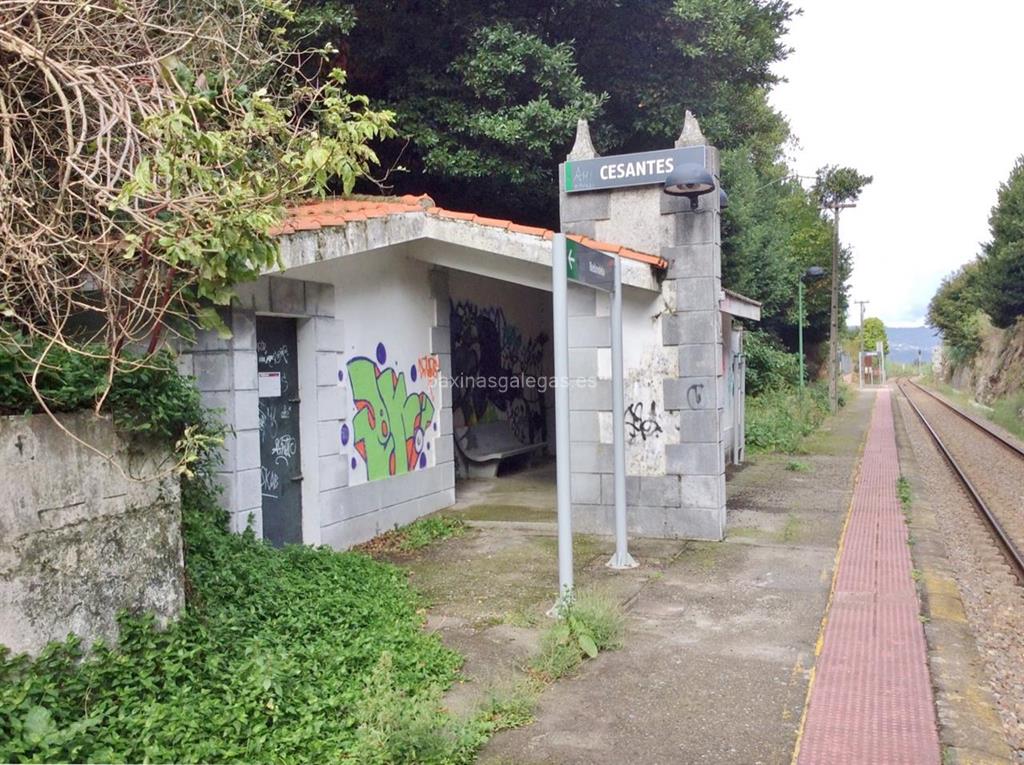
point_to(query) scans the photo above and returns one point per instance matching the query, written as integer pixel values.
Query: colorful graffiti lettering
(429, 368)
(486, 346)
(389, 426)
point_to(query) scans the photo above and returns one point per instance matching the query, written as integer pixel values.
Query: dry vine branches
(147, 147)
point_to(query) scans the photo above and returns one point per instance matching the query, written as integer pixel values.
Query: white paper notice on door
(270, 384)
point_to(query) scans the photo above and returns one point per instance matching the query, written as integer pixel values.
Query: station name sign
(624, 170)
(589, 266)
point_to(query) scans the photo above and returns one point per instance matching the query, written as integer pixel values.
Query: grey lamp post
(811, 274)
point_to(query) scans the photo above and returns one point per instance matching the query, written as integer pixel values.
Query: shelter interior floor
(519, 494)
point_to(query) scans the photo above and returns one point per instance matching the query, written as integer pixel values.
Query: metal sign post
(560, 331)
(572, 261)
(621, 558)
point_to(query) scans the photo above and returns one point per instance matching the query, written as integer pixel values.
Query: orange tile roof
(312, 216)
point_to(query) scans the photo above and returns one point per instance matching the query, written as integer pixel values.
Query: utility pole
(860, 358)
(833, 334)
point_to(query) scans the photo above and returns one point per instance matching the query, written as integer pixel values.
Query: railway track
(996, 464)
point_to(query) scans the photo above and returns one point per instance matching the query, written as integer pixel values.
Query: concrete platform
(720, 636)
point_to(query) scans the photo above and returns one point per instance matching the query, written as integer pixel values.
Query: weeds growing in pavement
(416, 535)
(905, 496)
(591, 623)
(795, 466)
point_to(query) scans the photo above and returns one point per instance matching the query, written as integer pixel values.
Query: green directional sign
(588, 266)
(624, 170)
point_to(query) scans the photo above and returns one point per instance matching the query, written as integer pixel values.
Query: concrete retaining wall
(80, 541)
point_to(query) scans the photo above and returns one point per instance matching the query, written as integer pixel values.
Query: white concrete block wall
(403, 305)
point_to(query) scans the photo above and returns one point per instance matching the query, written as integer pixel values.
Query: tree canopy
(873, 333)
(148, 151)
(1001, 268)
(992, 284)
(487, 96)
(953, 311)
(835, 185)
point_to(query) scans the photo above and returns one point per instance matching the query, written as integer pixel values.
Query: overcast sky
(927, 97)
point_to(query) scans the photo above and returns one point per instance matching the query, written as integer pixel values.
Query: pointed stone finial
(690, 135)
(584, 147)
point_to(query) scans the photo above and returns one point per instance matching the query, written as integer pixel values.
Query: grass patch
(1009, 413)
(593, 622)
(416, 535)
(522, 618)
(795, 466)
(286, 655)
(791, 529)
(903, 492)
(779, 420)
(397, 728)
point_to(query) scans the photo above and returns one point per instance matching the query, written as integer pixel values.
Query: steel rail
(1013, 555)
(971, 419)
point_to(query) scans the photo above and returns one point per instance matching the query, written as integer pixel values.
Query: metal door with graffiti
(280, 465)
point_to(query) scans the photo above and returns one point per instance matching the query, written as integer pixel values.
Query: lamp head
(690, 181)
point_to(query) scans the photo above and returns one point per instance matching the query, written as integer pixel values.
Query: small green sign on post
(589, 266)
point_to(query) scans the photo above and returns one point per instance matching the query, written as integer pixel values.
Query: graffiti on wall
(430, 367)
(390, 424)
(490, 360)
(641, 424)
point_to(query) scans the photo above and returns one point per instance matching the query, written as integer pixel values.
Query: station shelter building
(356, 376)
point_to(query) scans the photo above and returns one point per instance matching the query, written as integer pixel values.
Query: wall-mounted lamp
(723, 199)
(690, 181)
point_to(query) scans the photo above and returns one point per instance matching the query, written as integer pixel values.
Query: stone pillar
(694, 287)
(687, 499)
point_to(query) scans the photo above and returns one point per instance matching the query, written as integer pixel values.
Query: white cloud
(925, 96)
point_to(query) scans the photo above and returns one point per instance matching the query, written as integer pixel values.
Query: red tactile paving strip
(871, 699)
(313, 216)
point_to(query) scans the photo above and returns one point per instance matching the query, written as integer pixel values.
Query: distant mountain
(904, 343)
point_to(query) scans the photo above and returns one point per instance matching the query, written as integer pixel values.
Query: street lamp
(690, 181)
(812, 274)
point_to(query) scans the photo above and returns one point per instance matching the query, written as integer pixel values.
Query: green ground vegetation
(780, 419)
(288, 655)
(1007, 412)
(281, 656)
(591, 623)
(903, 492)
(416, 535)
